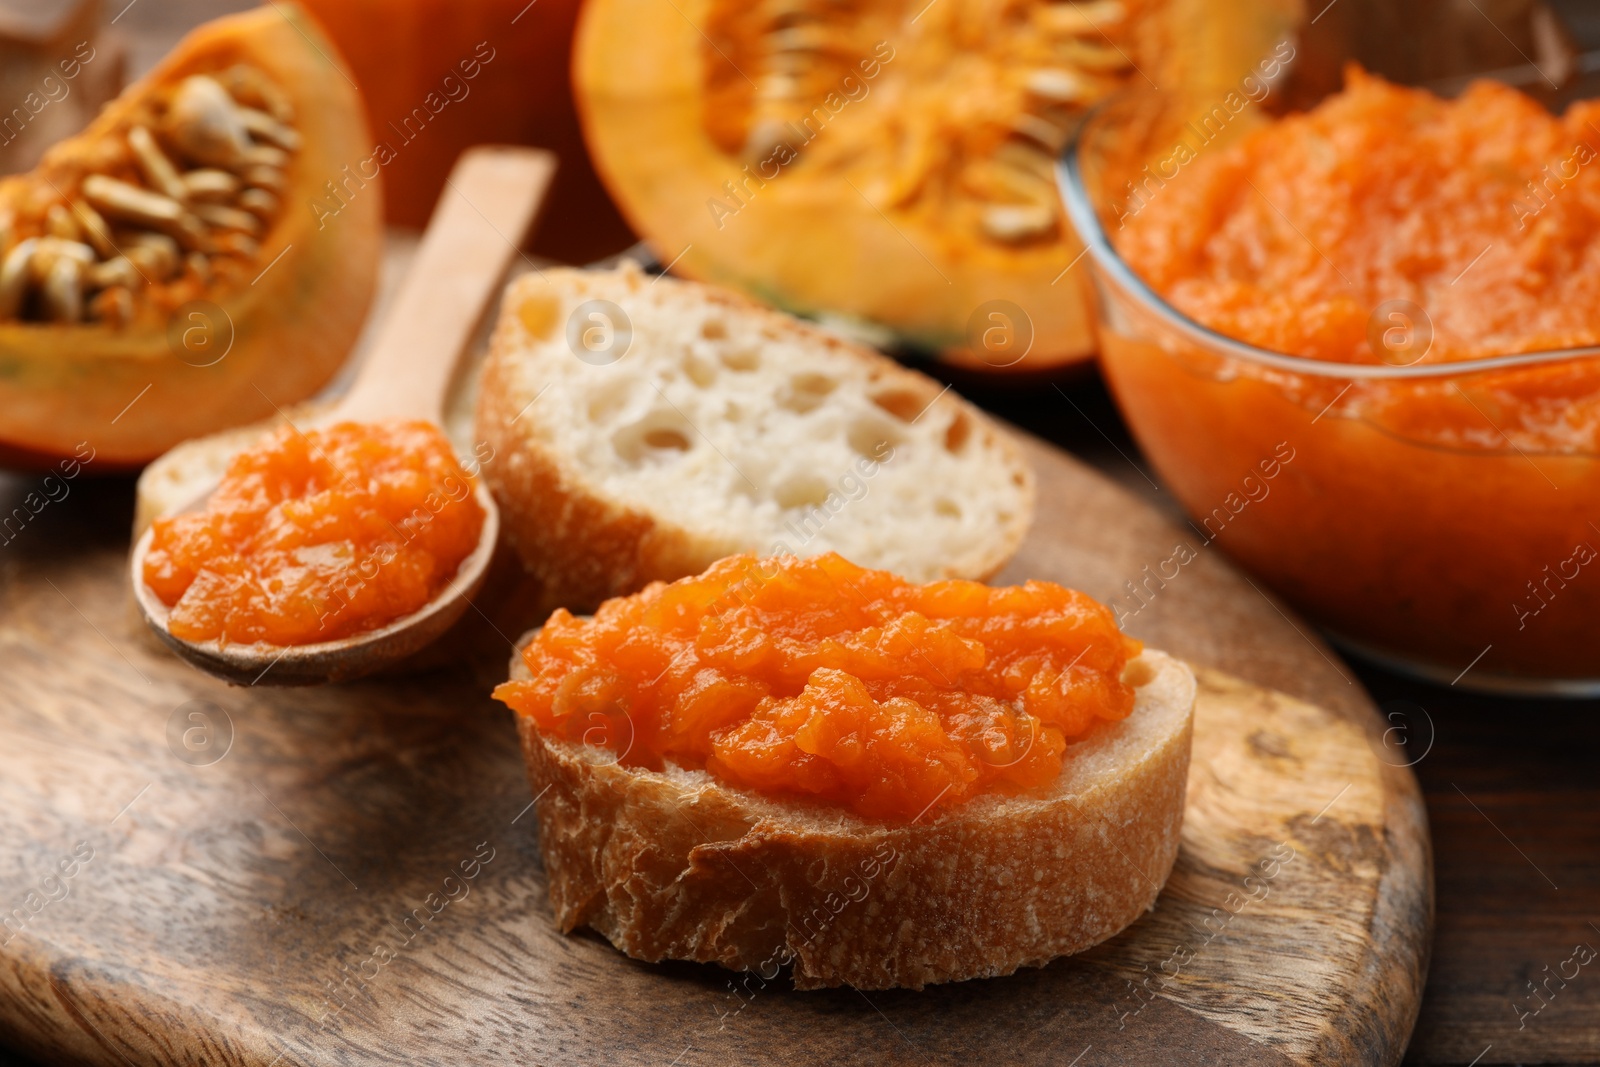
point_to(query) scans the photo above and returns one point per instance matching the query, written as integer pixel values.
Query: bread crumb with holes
(701, 424)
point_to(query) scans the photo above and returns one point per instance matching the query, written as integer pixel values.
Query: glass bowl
(1401, 506)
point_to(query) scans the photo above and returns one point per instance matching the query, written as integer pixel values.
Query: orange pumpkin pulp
(1447, 521)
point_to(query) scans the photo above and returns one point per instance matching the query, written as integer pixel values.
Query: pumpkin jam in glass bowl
(823, 680)
(1390, 303)
(316, 536)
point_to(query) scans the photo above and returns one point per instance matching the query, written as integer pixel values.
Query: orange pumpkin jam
(316, 536)
(1445, 521)
(819, 679)
(1484, 211)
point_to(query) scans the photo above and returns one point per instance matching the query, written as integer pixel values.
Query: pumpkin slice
(184, 265)
(884, 161)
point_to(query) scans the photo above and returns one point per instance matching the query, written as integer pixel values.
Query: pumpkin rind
(125, 391)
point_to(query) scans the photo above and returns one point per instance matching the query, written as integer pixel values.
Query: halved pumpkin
(887, 161)
(183, 265)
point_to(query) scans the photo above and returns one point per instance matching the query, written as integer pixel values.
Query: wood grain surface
(346, 875)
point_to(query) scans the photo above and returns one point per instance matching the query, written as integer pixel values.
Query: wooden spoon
(487, 206)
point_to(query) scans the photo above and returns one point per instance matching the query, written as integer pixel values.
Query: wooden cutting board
(248, 903)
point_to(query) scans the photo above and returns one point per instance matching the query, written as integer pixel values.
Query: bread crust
(583, 545)
(675, 865)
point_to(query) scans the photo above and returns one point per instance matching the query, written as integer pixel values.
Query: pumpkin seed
(793, 63)
(263, 155)
(996, 180)
(15, 273)
(126, 201)
(268, 178)
(808, 37)
(778, 87)
(1014, 223)
(1079, 19)
(252, 88)
(209, 185)
(779, 10)
(61, 294)
(118, 270)
(1094, 58)
(239, 244)
(58, 222)
(1040, 130)
(95, 229)
(155, 255)
(154, 164)
(51, 249)
(1059, 85)
(227, 218)
(266, 128)
(259, 202)
(203, 122)
(191, 233)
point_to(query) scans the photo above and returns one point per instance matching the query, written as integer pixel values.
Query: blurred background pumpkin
(402, 52)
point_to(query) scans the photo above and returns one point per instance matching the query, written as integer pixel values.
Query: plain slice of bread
(675, 865)
(698, 424)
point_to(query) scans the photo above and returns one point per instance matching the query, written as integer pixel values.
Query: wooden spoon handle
(488, 203)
